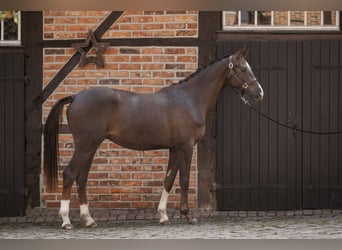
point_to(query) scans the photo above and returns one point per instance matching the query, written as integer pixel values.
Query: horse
(172, 118)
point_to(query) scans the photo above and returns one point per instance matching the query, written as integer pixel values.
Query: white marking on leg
(162, 207)
(64, 213)
(84, 212)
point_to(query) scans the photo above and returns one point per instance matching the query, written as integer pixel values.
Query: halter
(244, 84)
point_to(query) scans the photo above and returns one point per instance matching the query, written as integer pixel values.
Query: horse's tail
(51, 131)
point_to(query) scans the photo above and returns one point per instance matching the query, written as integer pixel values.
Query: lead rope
(294, 128)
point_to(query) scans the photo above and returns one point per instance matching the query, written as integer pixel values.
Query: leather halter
(244, 84)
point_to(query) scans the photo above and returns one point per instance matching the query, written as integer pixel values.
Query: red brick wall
(121, 178)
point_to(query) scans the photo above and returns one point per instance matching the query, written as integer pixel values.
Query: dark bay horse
(172, 118)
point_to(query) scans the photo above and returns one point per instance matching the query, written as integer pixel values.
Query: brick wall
(133, 24)
(121, 178)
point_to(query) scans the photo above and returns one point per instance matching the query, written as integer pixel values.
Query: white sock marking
(162, 207)
(64, 212)
(84, 212)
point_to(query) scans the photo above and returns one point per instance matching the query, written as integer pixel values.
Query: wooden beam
(73, 61)
(32, 36)
(182, 42)
(209, 25)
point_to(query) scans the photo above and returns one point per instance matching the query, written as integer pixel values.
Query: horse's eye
(243, 68)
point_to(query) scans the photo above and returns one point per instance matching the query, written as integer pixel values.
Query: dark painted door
(12, 195)
(322, 112)
(263, 165)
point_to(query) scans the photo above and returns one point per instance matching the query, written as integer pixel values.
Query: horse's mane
(199, 70)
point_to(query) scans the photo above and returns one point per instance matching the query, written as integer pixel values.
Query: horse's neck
(206, 85)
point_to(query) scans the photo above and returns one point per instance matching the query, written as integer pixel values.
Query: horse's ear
(244, 52)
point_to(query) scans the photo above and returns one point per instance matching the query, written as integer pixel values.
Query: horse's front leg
(171, 173)
(184, 174)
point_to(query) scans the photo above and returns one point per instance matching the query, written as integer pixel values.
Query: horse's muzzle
(258, 93)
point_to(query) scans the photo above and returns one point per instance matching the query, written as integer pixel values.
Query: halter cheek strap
(231, 67)
(244, 85)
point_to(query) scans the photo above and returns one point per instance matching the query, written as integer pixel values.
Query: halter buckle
(231, 65)
(245, 85)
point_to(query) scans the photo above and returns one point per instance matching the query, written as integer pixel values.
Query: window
(281, 20)
(10, 28)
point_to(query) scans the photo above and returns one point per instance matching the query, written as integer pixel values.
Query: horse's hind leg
(78, 161)
(81, 181)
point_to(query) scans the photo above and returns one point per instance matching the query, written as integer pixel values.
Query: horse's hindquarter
(89, 115)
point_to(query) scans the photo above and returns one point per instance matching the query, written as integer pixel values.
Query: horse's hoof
(191, 220)
(67, 226)
(91, 225)
(194, 221)
(164, 222)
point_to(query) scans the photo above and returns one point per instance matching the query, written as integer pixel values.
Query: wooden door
(12, 187)
(263, 165)
(322, 112)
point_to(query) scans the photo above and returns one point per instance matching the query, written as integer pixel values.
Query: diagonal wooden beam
(73, 61)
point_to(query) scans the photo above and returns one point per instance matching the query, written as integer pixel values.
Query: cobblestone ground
(144, 224)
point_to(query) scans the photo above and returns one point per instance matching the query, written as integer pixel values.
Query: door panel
(257, 157)
(265, 166)
(12, 193)
(322, 182)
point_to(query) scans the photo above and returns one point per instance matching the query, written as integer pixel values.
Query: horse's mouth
(248, 100)
(244, 99)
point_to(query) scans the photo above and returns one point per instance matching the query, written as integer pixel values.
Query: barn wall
(120, 177)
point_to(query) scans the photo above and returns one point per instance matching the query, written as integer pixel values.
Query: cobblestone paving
(144, 224)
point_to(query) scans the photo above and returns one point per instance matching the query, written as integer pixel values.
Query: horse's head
(242, 79)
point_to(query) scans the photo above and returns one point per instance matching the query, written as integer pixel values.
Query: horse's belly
(139, 142)
(156, 136)
(142, 136)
